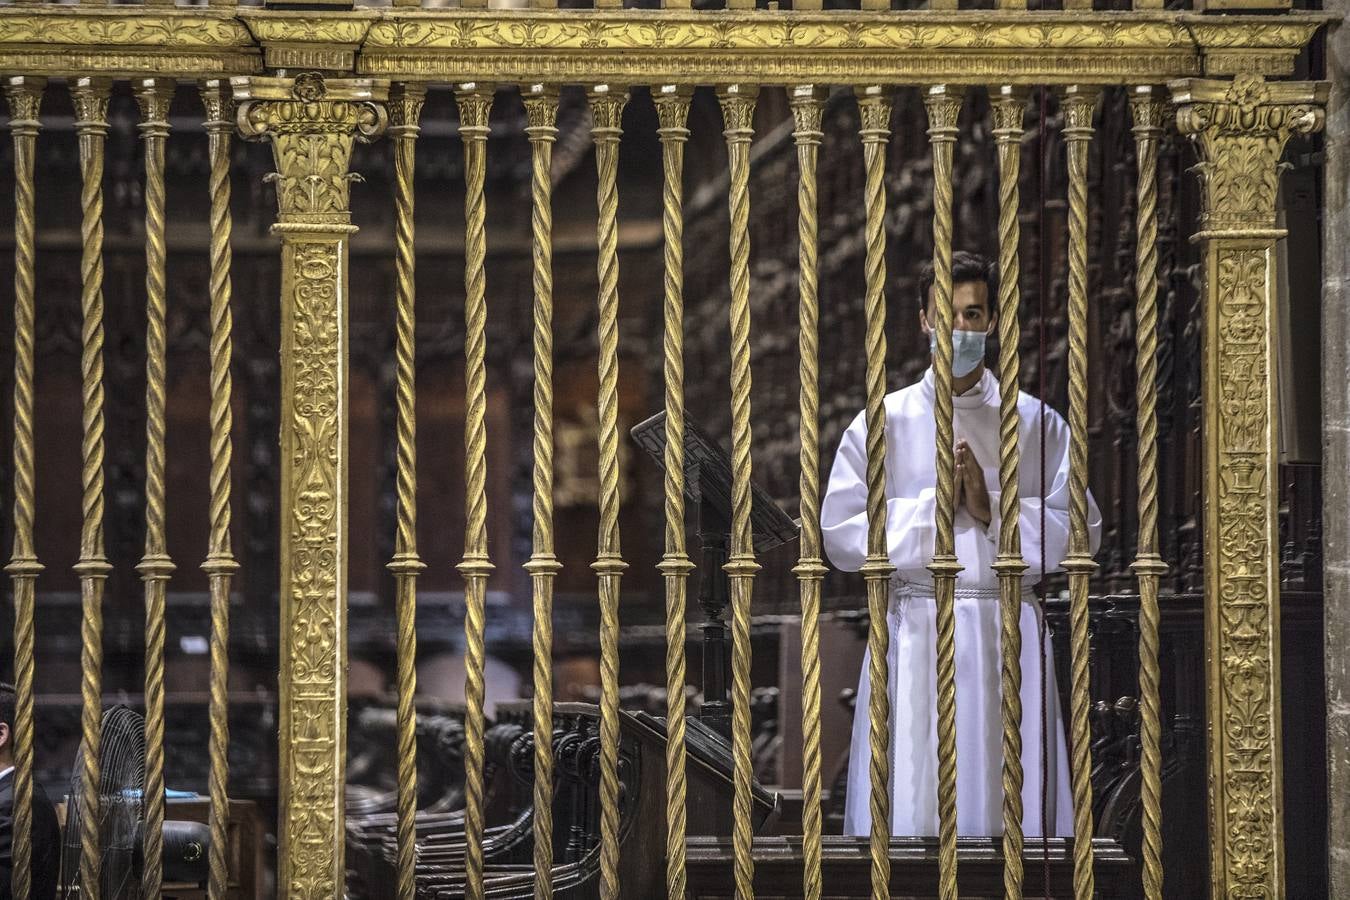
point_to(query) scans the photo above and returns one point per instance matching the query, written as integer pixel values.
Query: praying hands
(970, 487)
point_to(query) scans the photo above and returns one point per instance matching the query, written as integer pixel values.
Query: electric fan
(121, 754)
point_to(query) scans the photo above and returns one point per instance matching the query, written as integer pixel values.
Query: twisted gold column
(405, 112)
(738, 110)
(1149, 107)
(475, 102)
(1009, 105)
(808, 103)
(944, 105)
(541, 109)
(874, 106)
(154, 96)
(672, 108)
(25, 100)
(607, 103)
(91, 125)
(1080, 102)
(220, 564)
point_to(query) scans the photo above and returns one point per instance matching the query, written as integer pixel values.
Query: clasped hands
(971, 491)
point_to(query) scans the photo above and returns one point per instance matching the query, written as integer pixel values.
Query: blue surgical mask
(967, 350)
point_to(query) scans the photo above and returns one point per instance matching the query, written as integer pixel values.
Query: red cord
(1042, 263)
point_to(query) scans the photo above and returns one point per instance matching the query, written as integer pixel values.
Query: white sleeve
(843, 515)
(1054, 541)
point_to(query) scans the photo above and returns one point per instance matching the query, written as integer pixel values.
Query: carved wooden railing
(313, 82)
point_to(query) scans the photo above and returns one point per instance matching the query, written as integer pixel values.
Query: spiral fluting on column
(944, 105)
(1079, 103)
(738, 110)
(874, 105)
(541, 110)
(25, 99)
(220, 564)
(474, 102)
(807, 107)
(1149, 110)
(154, 96)
(607, 103)
(91, 126)
(672, 107)
(1009, 108)
(405, 110)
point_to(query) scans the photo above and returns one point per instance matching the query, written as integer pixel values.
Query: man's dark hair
(7, 701)
(966, 267)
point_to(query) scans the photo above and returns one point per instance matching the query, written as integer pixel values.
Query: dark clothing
(46, 842)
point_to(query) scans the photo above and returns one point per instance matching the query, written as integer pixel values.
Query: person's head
(7, 699)
(974, 307)
(974, 294)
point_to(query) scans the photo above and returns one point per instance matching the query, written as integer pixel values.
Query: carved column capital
(218, 100)
(1239, 129)
(672, 110)
(607, 102)
(541, 110)
(1149, 106)
(154, 95)
(405, 109)
(1009, 103)
(311, 122)
(943, 102)
(874, 110)
(808, 105)
(24, 93)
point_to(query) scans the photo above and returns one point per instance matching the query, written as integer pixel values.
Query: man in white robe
(911, 482)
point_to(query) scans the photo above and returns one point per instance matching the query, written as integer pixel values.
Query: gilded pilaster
(312, 123)
(1239, 129)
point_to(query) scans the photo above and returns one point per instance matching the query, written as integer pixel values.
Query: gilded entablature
(657, 46)
(311, 123)
(1240, 127)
